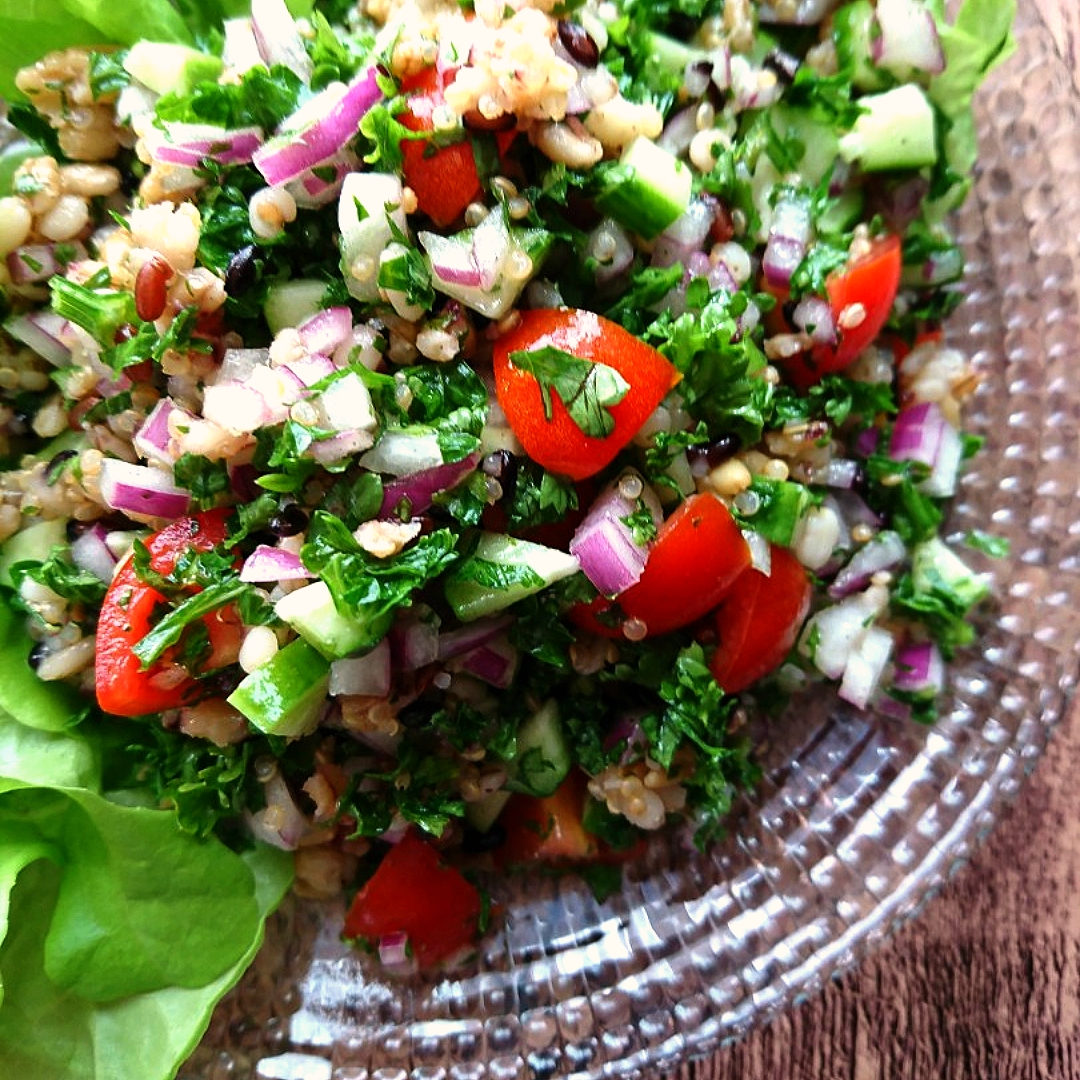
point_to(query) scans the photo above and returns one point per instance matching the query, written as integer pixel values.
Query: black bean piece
(37, 654)
(716, 453)
(783, 65)
(242, 271)
(577, 41)
(476, 843)
(288, 521)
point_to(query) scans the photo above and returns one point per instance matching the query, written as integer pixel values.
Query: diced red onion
(359, 347)
(402, 452)
(919, 668)
(321, 183)
(192, 144)
(627, 733)
(236, 407)
(720, 278)
(280, 823)
(414, 638)
(420, 488)
(345, 405)
(310, 370)
(604, 544)
(921, 433)
(44, 332)
(324, 331)
(685, 235)
(29, 264)
(139, 489)
(611, 248)
(907, 38)
(803, 13)
(789, 235)
(152, 440)
(490, 246)
(813, 314)
(494, 662)
(277, 38)
(394, 953)
(340, 446)
(866, 443)
(865, 667)
(679, 131)
(318, 130)
(368, 675)
(271, 564)
(466, 638)
(90, 552)
(399, 826)
(885, 551)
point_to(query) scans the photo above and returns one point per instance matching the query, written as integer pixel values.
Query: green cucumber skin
(285, 695)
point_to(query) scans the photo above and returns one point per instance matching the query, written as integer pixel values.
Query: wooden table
(985, 985)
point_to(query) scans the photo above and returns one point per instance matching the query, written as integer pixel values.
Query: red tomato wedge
(870, 282)
(758, 620)
(697, 555)
(443, 178)
(123, 688)
(414, 892)
(548, 829)
(556, 441)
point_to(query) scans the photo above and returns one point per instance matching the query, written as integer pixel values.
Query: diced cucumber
(312, 613)
(482, 813)
(285, 695)
(842, 213)
(819, 142)
(32, 544)
(780, 505)
(168, 68)
(897, 131)
(647, 190)
(936, 568)
(367, 204)
(543, 760)
(289, 303)
(11, 157)
(853, 37)
(502, 570)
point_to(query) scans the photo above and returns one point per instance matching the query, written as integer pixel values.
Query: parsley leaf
(587, 388)
(62, 576)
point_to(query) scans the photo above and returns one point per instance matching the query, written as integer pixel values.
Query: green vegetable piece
(852, 30)
(936, 568)
(543, 758)
(896, 132)
(289, 303)
(284, 696)
(311, 612)
(31, 544)
(647, 190)
(168, 68)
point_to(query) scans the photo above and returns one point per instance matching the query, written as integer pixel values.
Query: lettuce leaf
(119, 932)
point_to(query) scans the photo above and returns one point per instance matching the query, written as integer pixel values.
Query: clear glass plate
(859, 819)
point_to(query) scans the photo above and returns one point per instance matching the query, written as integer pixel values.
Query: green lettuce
(119, 933)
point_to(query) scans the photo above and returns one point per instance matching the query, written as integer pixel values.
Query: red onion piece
(610, 246)
(322, 182)
(33, 263)
(803, 13)
(318, 130)
(277, 38)
(90, 552)
(456, 642)
(271, 564)
(280, 823)
(490, 246)
(340, 446)
(494, 662)
(368, 675)
(311, 370)
(885, 551)
(866, 443)
(240, 52)
(865, 667)
(789, 235)
(840, 473)
(813, 314)
(152, 440)
(236, 407)
(420, 488)
(402, 452)
(921, 433)
(238, 364)
(192, 144)
(686, 234)
(414, 639)
(324, 331)
(604, 544)
(139, 489)
(919, 668)
(679, 131)
(907, 38)
(45, 333)
(394, 953)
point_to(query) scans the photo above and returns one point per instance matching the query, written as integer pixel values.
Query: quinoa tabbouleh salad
(430, 429)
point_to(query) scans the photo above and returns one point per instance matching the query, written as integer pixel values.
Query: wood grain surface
(985, 985)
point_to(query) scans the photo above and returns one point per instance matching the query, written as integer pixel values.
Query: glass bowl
(858, 820)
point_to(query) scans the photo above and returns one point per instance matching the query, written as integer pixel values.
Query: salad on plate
(430, 432)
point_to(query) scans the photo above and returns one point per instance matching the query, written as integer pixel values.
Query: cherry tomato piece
(697, 555)
(414, 892)
(556, 442)
(548, 829)
(758, 621)
(123, 687)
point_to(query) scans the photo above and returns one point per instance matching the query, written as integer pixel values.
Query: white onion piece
(240, 51)
(364, 222)
(236, 407)
(340, 446)
(908, 38)
(610, 246)
(238, 364)
(679, 131)
(813, 314)
(490, 246)
(359, 347)
(402, 452)
(140, 489)
(789, 235)
(280, 823)
(414, 638)
(760, 552)
(831, 635)
(495, 662)
(885, 551)
(368, 675)
(277, 38)
(272, 564)
(346, 405)
(311, 370)
(686, 234)
(802, 13)
(865, 667)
